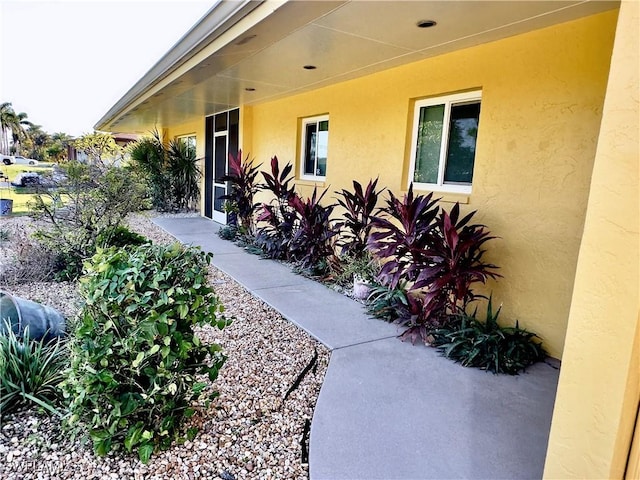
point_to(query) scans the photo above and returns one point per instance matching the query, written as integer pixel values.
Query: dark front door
(222, 138)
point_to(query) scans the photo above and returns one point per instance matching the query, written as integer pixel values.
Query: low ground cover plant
(364, 267)
(135, 356)
(30, 372)
(487, 345)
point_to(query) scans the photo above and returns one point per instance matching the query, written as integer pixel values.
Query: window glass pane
(323, 143)
(310, 149)
(463, 130)
(429, 141)
(190, 143)
(218, 203)
(220, 158)
(220, 122)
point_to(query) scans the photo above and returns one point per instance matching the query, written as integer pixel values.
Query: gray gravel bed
(249, 431)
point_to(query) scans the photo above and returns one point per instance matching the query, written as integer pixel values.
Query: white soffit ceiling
(344, 40)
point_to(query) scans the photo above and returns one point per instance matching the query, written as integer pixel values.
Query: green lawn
(20, 197)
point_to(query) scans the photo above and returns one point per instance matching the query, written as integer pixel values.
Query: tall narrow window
(444, 142)
(315, 144)
(189, 141)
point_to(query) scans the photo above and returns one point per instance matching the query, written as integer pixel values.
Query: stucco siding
(542, 97)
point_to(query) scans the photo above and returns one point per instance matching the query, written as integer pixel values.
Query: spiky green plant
(184, 174)
(487, 345)
(30, 372)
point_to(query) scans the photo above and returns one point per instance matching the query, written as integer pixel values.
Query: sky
(66, 63)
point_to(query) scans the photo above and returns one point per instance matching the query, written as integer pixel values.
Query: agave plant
(312, 243)
(242, 176)
(403, 236)
(359, 207)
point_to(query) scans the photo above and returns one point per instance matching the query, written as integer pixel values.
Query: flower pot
(19, 314)
(361, 288)
(6, 206)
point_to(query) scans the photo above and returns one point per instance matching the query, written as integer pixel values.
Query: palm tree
(7, 122)
(18, 130)
(60, 147)
(39, 140)
(12, 126)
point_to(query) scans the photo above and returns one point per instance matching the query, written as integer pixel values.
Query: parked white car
(19, 160)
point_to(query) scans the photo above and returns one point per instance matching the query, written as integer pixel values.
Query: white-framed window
(443, 147)
(189, 141)
(314, 146)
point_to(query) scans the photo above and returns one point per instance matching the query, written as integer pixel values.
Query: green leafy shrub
(96, 200)
(120, 236)
(134, 355)
(30, 372)
(487, 345)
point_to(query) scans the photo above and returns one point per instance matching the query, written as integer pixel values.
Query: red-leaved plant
(359, 206)
(456, 262)
(242, 176)
(312, 243)
(277, 221)
(402, 237)
(440, 256)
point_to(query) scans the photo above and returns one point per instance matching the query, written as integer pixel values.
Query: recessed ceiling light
(309, 67)
(426, 23)
(250, 89)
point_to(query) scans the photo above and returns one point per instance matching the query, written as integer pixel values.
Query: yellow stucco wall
(599, 386)
(541, 109)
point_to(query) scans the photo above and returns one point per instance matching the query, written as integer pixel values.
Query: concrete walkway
(388, 409)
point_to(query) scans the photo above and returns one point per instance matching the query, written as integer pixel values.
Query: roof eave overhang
(219, 19)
